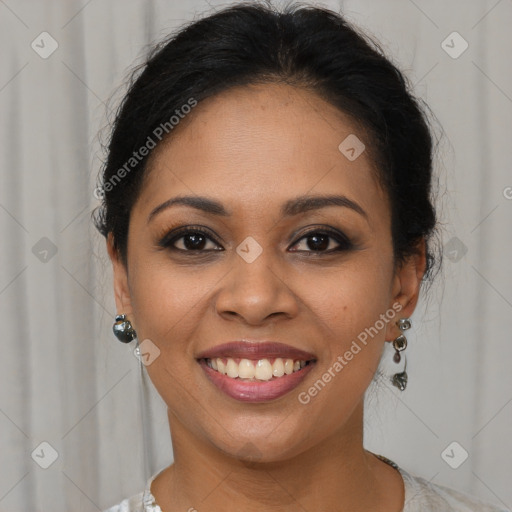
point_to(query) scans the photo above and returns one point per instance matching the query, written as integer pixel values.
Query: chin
(262, 447)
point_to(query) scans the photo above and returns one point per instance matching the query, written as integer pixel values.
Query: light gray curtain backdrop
(78, 430)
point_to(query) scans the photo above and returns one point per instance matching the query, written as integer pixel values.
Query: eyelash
(170, 238)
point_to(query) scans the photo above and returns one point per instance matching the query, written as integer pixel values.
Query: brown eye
(323, 241)
(189, 240)
(194, 241)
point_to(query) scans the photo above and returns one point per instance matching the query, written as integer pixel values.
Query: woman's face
(314, 276)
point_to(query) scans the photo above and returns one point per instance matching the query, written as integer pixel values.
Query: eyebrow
(290, 208)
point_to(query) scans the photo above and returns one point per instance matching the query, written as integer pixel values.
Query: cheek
(349, 308)
(352, 297)
(167, 304)
(166, 299)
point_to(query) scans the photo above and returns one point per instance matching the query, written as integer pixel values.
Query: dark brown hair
(300, 45)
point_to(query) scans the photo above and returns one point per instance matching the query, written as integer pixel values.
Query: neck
(337, 474)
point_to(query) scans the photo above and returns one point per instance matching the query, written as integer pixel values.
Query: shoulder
(424, 496)
(133, 504)
(142, 502)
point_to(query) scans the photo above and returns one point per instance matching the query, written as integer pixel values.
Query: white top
(420, 496)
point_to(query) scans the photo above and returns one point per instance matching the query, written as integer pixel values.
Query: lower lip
(256, 391)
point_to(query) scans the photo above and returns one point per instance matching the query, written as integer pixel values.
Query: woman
(267, 209)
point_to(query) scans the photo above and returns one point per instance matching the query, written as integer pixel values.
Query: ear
(406, 287)
(121, 287)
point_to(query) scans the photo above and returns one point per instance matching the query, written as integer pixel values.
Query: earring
(400, 344)
(123, 329)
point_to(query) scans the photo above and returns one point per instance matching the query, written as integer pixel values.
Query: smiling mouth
(265, 369)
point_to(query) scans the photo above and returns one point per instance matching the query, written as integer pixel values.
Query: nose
(255, 292)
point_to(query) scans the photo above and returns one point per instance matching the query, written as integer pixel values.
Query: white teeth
(263, 370)
(278, 367)
(232, 369)
(260, 370)
(246, 369)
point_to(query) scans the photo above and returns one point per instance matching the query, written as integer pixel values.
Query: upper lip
(255, 350)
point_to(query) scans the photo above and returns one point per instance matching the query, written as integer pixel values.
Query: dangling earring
(123, 329)
(400, 344)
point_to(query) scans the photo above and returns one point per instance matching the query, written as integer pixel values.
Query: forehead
(259, 145)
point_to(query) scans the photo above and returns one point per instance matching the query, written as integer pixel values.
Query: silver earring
(400, 344)
(123, 329)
